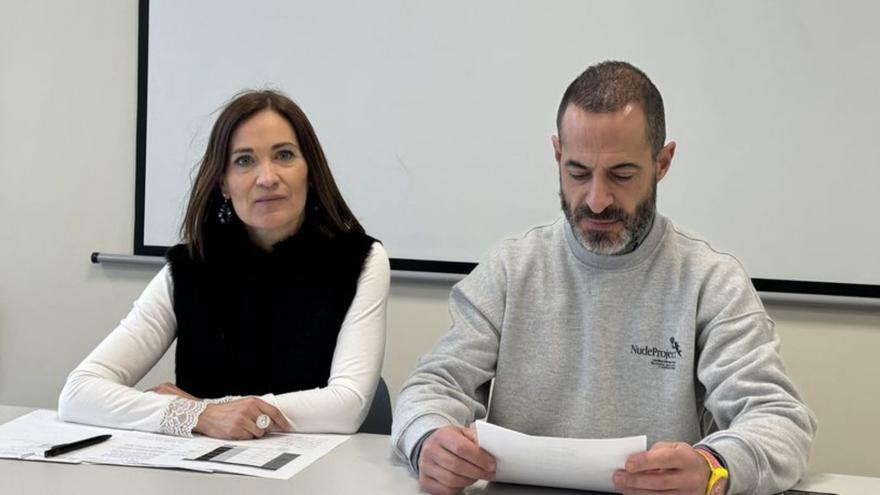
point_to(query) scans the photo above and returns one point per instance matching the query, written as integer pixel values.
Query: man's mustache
(610, 213)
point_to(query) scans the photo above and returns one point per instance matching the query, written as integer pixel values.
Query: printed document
(276, 455)
(583, 464)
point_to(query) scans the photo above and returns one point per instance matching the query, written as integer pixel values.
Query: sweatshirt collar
(622, 261)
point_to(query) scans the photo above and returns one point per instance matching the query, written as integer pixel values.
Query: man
(610, 322)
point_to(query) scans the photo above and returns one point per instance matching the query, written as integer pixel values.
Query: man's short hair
(608, 87)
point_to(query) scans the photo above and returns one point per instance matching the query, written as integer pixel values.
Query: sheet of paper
(277, 456)
(28, 436)
(136, 448)
(583, 464)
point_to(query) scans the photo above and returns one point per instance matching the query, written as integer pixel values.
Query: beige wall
(830, 352)
(67, 130)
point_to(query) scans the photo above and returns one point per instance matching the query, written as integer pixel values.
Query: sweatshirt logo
(664, 358)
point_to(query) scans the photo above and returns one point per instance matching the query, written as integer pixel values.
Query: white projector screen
(436, 117)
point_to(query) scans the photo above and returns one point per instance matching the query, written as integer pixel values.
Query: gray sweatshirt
(670, 341)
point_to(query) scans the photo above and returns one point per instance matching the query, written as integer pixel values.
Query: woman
(276, 298)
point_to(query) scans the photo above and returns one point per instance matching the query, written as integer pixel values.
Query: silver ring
(263, 421)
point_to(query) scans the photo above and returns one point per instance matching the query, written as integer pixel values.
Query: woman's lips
(268, 199)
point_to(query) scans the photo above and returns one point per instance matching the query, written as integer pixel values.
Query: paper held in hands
(583, 464)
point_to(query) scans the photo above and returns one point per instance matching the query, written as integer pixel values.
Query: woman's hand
(237, 419)
(169, 388)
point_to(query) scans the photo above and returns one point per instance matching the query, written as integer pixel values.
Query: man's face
(607, 176)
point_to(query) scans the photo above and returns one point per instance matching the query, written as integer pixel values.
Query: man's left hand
(667, 467)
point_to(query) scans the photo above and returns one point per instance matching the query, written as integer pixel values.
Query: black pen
(70, 447)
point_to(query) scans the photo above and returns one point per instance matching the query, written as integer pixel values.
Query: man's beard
(635, 226)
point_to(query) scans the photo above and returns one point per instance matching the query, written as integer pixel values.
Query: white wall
(67, 143)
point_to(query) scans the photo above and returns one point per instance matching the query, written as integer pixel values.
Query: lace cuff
(222, 400)
(181, 416)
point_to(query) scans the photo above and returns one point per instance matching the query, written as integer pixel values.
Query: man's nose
(599, 195)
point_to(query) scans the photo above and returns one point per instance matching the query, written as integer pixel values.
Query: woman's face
(266, 178)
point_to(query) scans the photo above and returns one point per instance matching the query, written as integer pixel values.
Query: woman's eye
(243, 161)
(285, 155)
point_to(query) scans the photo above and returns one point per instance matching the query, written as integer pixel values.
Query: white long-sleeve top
(100, 390)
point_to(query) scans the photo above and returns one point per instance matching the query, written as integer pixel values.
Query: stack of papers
(583, 464)
(276, 455)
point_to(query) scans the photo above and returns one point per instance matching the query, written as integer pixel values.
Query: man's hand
(667, 467)
(451, 460)
(169, 388)
(237, 419)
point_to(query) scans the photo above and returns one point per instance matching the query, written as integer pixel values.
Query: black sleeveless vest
(251, 322)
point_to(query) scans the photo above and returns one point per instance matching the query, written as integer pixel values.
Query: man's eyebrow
(616, 166)
(623, 165)
(577, 164)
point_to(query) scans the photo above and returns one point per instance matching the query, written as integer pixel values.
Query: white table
(361, 465)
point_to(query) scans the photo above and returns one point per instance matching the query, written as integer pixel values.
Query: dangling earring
(224, 214)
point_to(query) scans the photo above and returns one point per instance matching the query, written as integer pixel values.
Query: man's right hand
(451, 460)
